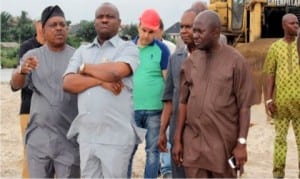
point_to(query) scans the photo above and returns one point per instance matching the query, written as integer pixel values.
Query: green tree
(16, 29)
(25, 28)
(73, 41)
(6, 24)
(9, 57)
(129, 31)
(86, 31)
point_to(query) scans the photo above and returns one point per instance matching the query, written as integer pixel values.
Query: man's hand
(115, 88)
(271, 108)
(177, 153)
(162, 142)
(240, 154)
(29, 64)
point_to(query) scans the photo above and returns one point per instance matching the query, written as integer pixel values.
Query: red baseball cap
(150, 19)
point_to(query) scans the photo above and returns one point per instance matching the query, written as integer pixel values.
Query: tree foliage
(6, 25)
(129, 32)
(16, 29)
(86, 31)
(21, 28)
(9, 57)
(26, 28)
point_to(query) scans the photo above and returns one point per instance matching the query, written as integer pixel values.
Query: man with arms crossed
(101, 74)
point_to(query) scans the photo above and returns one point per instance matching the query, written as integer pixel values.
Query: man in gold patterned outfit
(282, 82)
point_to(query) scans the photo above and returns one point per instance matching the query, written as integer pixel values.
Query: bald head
(199, 6)
(206, 30)
(212, 19)
(288, 17)
(107, 21)
(290, 25)
(110, 6)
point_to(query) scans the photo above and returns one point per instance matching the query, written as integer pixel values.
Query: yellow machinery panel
(221, 9)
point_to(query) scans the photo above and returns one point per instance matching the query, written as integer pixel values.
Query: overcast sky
(76, 10)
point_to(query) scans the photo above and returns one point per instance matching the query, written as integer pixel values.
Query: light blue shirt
(104, 117)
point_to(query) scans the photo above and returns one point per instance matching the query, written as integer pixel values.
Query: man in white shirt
(159, 35)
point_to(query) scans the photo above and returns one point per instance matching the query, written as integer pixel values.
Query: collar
(135, 40)
(113, 41)
(182, 50)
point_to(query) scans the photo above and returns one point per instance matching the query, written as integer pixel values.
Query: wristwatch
(81, 68)
(269, 101)
(242, 140)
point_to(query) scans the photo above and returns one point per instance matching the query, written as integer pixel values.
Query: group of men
(91, 107)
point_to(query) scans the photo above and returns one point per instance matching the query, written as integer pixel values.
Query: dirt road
(260, 143)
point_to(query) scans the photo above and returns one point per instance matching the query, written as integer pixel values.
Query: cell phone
(232, 162)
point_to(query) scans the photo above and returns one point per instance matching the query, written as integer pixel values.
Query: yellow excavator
(252, 25)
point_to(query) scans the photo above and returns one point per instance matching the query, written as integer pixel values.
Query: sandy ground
(260, 143)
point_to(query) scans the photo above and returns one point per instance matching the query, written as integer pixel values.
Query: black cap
(49, 12)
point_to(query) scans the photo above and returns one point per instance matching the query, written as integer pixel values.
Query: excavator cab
(245, 21)
(232, 14)
(252, 26)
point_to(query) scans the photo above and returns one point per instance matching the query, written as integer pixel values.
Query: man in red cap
(153, 58)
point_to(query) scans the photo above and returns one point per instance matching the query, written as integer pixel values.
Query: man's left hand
(114, 87)
(240, 154)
